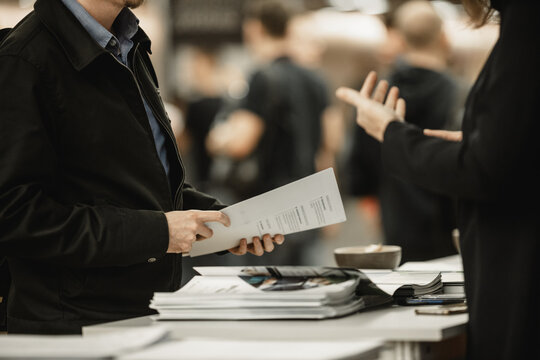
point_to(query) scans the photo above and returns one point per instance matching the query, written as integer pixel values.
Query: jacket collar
(80, 48)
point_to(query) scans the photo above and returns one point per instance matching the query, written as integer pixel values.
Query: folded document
(309, 203)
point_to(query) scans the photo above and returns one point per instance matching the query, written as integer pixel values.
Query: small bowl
(388, 257)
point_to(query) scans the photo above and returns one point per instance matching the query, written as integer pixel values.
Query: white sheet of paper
(217, 349)
(308, 203)
(102, 346)
(449, 263)
(452, 277)
(429, 266)
(389, 282)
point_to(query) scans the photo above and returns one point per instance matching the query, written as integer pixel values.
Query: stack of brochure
(406, 283)
(283, 292)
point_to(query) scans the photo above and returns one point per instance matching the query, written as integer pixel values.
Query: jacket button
(151, 260)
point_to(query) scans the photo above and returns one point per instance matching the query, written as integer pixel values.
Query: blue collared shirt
(126, 26)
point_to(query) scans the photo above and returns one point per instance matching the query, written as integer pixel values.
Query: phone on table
(443, 310)
(433, 299)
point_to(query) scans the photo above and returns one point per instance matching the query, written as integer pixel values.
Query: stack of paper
(451, 269)
(241, 293)
(406, 283)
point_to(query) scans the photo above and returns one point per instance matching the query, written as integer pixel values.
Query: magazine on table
(270, 292)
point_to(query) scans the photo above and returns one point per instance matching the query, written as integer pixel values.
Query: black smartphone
(443, 310)
(433, 299)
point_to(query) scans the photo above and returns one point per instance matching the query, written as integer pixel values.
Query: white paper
(243, 270)
(449, 263)
(389, 282)
(102, 346)
(220, 289)
(214, 349)
(425, 266)
(309, 203)
(452, 277)
(262, 293)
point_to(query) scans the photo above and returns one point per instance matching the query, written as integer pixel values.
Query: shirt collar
(125, 25)
(75, 41)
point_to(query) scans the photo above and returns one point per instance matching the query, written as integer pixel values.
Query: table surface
(393, 323)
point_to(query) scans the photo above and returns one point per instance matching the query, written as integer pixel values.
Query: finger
(401, 107)
(444, 134)
(241, 249)
(214, 216)
(279, 239)
(348, 95)
(435, 133)
(204, 232)
(268, 244)
(369, 85)
(256, 247)
(392, 98)
(380, 91)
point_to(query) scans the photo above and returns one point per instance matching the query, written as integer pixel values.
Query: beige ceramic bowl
(387, 257)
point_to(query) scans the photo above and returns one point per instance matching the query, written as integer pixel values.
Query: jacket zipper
(174, 204)
(171, 137)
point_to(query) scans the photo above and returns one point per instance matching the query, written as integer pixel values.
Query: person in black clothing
(418, 220)
(277, 126)
(490, 167)
(94, 210)
(202, 108)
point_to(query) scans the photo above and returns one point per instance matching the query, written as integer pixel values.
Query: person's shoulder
(261, 76)
(25, 40)
(309, 75)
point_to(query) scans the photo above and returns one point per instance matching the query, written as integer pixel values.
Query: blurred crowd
(255, 111)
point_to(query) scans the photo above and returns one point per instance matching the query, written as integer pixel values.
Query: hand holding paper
(309, 203)
(186, 227)
(258, 246)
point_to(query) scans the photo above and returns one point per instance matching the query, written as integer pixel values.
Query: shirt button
(113, 42)
(151, 260)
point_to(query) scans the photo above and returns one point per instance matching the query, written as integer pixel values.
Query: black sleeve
(32, 223)
(196, 200)
(364, 164)
(499, 155)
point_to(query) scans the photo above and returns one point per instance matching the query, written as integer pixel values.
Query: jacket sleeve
(33, 224)
(365, 164)
(498, 156)
(196, 200)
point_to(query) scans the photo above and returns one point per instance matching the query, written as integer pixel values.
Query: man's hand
(372, 115)
(456, 136)
(258, 247)
(186, 227)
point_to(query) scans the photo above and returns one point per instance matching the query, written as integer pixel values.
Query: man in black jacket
(92, 192)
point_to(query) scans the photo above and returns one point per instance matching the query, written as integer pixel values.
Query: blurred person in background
(276, 129)
(490, 167)
(94, 210)
(418, 220)
(201, 112)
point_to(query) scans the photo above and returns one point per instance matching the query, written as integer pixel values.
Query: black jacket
(494, 172)
(82, 190)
